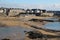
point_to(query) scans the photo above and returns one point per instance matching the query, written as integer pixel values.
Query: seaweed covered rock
(5, 39)
(34, 35)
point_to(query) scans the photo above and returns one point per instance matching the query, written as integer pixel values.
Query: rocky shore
(26, 23)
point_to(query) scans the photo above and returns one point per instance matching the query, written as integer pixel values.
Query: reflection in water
(14, 33)
(52, 25)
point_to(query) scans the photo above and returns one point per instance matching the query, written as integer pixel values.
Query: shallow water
(52, 25)
(13, 33)
(17, 33)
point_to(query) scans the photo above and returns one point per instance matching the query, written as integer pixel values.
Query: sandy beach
(17, 21)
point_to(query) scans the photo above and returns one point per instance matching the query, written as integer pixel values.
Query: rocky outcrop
(48, 31)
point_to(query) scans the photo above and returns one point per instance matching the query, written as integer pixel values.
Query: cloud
(54, 7)
(30, 6)
(23, 5)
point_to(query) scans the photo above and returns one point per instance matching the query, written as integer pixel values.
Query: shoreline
(17, 21)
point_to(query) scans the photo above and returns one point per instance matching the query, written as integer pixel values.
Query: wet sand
(21, 22)
(14, 21)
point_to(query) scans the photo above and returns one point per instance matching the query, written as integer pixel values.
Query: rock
(5, 39)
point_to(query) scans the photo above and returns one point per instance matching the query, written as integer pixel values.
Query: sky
(42, 4)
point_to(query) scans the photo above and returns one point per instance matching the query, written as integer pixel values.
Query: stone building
(4, 11)
(15, 11)
(36, 12)
(1, 10)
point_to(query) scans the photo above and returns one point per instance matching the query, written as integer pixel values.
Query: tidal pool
(13, 33)
(52, 25)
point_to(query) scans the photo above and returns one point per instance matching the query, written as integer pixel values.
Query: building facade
(1, 10)
(16, 11)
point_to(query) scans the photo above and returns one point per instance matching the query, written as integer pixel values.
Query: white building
(1, 11)
(16, 11)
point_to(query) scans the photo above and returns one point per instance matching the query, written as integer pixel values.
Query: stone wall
(47, 14)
